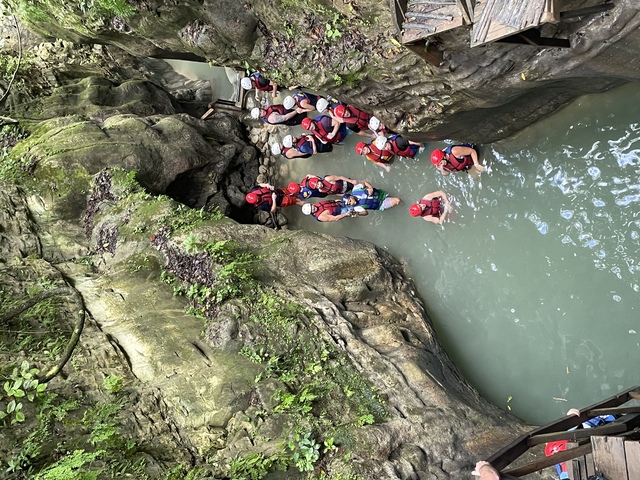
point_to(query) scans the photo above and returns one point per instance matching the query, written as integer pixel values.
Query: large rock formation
(337, 348)
(481, 94)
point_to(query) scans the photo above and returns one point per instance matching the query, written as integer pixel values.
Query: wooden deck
(612, 449)
(496, 19)
(423, 18)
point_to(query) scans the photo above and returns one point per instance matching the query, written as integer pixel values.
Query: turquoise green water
(532, 284)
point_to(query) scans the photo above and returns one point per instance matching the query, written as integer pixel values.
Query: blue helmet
(305, 192)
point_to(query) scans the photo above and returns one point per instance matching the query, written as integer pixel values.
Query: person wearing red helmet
(314, 186)
(456, 158)
(267, 198)
(326, 129)
(378, 152)
(355, 119)
(433, 207)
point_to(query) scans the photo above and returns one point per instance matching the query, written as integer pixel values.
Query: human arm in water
(486, 471)
(335, 178)
(460, 151)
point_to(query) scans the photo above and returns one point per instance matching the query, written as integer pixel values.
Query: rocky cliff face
(479, 94)
(339, 359)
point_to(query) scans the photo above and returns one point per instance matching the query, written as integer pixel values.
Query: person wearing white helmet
(277, 114)
(303, 146)
(378, 152)
(329, 211)
(260, 83)
(303, 102)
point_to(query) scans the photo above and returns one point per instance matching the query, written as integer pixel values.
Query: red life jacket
(330, 206)
(455, 164)
(264, 195)
(358, 118)
(433, 207)
(322, 133)
(408, 151)
(260, 82)
(377, 155)
(301, 141)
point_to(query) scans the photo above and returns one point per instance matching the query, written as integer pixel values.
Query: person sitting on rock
(260, 83)
(379, 152)
(355, 119)
(403, 147)
(267, 198)
(456, 158)
(277, 114)
(301, 102)
(325, 129)
(315, 186)
(433, 207)
(328, 211)
(364, 195)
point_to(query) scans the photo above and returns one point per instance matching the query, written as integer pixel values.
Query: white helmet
(381, 141)
(306, 209)
(245, 82)
(287, 141)
(374, 123)
(255, 113)
(322, 105)
(275, 149)
(288, 102)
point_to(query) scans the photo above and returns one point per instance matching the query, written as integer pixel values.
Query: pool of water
(532, 284)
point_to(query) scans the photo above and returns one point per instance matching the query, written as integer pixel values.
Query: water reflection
(533, 283)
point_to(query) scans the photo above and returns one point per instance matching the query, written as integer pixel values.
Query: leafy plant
(22, 384)
(113, 384)
(306, 451)
(70, 467)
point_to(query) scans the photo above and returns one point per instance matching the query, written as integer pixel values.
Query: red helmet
(306, 123)
(293, 188)
(415, 210)
(339, 111)
(360, 147)
(437, 156)
(313, 183)
(252, 198)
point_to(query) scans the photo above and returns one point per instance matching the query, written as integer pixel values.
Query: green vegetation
(38, 11)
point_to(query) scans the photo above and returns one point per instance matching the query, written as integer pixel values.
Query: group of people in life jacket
(330, 128)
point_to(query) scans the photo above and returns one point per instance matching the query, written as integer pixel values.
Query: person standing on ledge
(433, 207)
(456, 158)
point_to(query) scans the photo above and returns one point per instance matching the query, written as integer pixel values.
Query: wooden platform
(616, 458)
(611, 449)
(423, 18)
(496, 19)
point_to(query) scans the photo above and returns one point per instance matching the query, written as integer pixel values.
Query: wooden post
(550, 15)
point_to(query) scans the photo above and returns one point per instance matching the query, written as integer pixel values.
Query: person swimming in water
(433, 207)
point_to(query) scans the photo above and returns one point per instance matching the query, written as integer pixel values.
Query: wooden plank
(575, 435)
(591, 470)
(609, 457)
(613, 411)
(506, 455)
(497, 19)
(632, 454)
(545, 462)
(577, 467)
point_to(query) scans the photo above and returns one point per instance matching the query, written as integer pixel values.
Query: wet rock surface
(478, 94)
